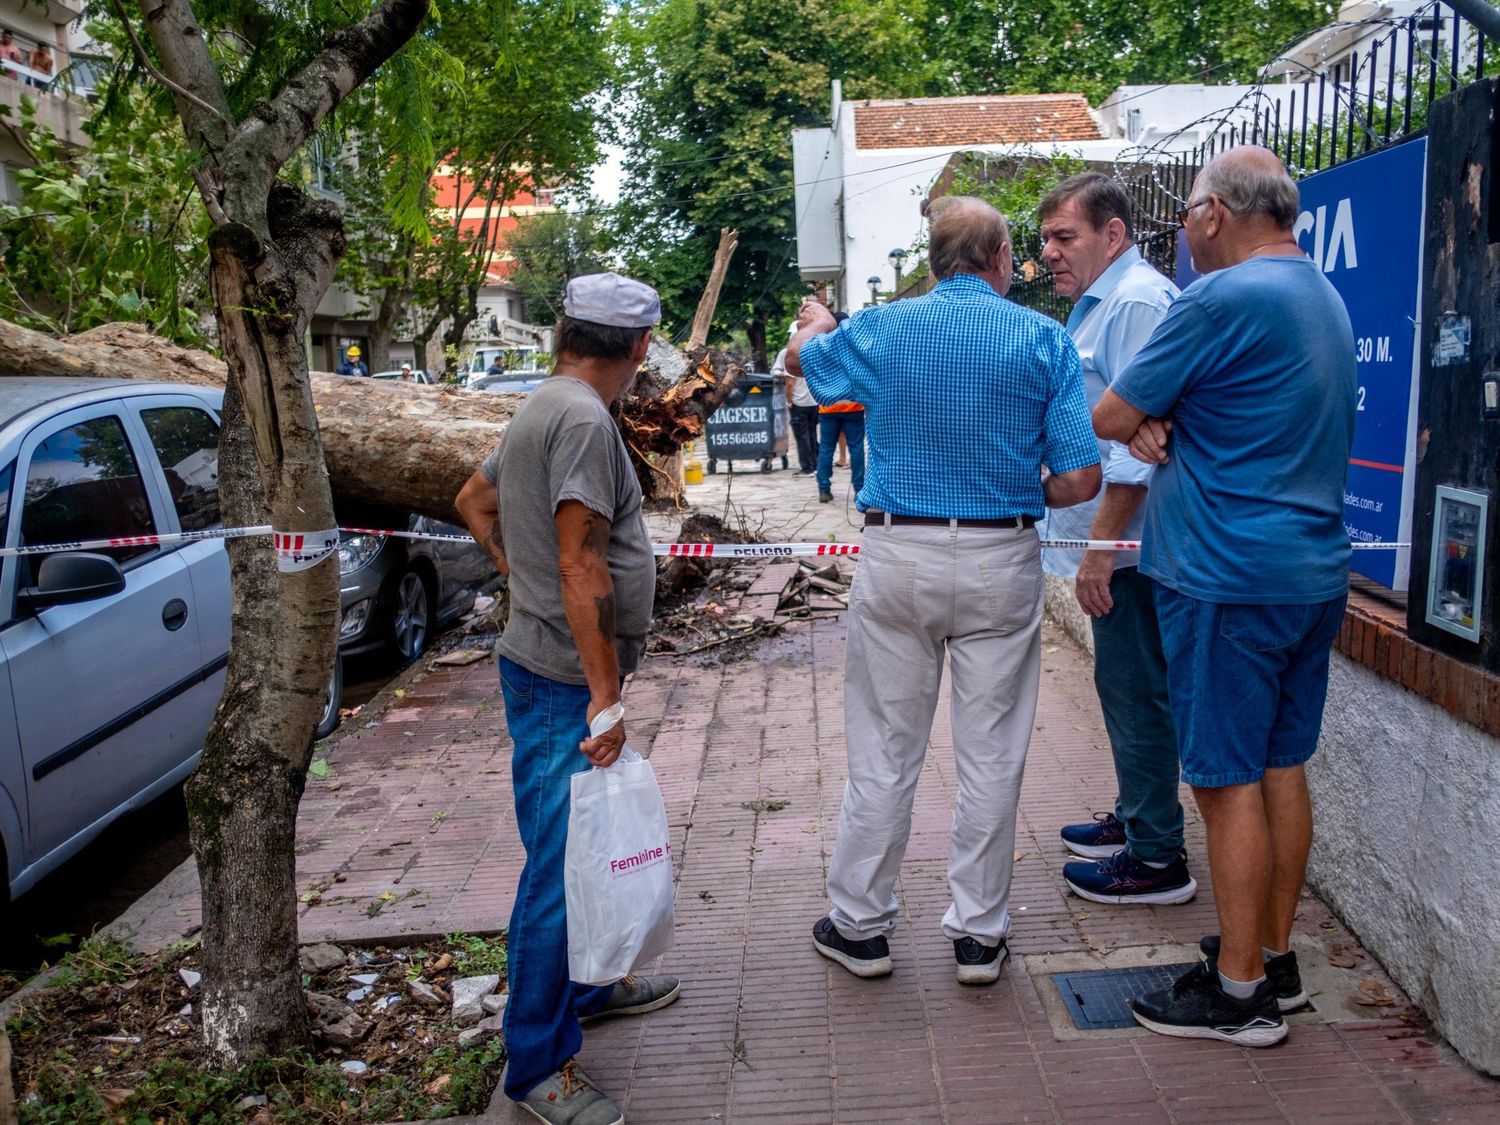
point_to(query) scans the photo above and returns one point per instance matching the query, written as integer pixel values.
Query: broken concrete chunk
(468, 997)
(471, 1035)
(320, 958)
(190, 978)
(365, 978)
(494, 1004)
(424, 994)
(353, 1066)
(334, 1021)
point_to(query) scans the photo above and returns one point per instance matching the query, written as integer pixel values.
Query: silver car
(113, 660)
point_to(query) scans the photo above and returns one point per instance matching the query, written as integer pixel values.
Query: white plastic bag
(617, 871)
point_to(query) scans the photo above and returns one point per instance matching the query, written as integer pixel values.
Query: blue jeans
(547, 720)
(852, 425)
(1248, 683)
(1130, 673)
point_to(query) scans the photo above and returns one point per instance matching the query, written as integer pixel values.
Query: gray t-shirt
(563, 445)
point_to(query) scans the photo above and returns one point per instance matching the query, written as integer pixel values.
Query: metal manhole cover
(1101, 998)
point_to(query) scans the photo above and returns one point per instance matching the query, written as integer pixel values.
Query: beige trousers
(920, 593)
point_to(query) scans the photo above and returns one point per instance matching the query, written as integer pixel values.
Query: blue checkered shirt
(966, 396)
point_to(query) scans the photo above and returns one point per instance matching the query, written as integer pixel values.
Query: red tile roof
(995, 119)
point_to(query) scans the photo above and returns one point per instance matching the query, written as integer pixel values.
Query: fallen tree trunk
(401, 446)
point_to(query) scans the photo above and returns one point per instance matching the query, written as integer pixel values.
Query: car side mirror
(73, 576)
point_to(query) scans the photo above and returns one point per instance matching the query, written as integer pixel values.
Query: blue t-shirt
(1254, 365)
(966, 396)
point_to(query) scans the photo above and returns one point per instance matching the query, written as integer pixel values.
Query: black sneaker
(1197, 1007)
(869, 958)
(1281, 971)
(825, 498)
(1100, 838)
(1124, 879)
(979, 963)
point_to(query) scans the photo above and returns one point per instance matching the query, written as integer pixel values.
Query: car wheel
(411, 617)
(329, 720)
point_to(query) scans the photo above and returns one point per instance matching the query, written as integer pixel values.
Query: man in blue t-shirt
(1245, 398)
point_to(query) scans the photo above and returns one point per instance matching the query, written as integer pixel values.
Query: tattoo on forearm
(606, 607)
(596, 534)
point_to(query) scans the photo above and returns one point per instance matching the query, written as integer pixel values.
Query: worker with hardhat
(353, 364)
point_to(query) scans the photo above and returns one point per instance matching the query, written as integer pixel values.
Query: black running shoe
(869, 958)
(1281, 971)
(1197, 1007)
(979, 963)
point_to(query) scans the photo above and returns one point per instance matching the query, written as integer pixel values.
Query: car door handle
(174, 614)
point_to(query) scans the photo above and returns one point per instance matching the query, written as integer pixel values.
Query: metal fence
(1372, 98)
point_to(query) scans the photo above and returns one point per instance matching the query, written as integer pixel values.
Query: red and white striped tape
(294, 545)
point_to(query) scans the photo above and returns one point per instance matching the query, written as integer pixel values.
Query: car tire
(329, 721)
(412, 616)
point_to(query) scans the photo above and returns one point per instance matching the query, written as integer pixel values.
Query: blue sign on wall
(1362, 223)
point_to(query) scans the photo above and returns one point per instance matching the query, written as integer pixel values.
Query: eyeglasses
(1182, 212)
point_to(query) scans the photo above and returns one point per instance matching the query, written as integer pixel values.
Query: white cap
(608, 298)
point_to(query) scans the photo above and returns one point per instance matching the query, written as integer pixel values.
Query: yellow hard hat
(354, 352)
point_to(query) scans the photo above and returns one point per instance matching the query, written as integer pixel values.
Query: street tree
(529, 120)
(1093, 46)
(549, 248)
(251, 85)
(714, 88)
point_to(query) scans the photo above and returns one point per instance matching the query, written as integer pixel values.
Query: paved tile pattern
(414, 833)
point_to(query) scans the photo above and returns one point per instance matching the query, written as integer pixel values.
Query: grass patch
(478, 956)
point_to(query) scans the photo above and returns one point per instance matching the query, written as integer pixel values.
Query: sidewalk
(418, 806)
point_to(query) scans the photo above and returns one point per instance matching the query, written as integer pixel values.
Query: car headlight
(357, 550)
(354, 619)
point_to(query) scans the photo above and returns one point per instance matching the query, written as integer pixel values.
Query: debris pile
(816, 590)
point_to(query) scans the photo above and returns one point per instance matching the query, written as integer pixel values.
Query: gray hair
(966, 234)
(1251, 187)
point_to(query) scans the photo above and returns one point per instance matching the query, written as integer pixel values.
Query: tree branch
(188, 70)
(150, 67)
(278, 128)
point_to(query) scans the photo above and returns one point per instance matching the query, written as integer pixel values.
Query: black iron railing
(1319, 116)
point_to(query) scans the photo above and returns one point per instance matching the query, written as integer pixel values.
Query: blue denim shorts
(1247, 683)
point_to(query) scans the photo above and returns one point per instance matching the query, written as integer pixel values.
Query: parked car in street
(417, 375)
(113, 660)
(516, 384)
(396, 594)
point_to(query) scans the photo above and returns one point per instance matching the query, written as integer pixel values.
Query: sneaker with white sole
(1197, 1007)
(569, 1097)
(634, 996)
(868, 958)
(1281, 971)
(1122, 880)
(1100, 838)
(979, 963)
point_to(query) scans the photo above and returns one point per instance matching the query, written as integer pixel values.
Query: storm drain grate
(1100, 998)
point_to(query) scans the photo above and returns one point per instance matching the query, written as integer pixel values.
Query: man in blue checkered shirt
(967, 396)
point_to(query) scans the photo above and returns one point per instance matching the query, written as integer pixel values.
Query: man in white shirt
(1135, 852)
(804, 410)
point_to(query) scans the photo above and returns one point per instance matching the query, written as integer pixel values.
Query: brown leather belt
(878, 519)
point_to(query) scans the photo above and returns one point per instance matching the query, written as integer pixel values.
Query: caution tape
(298, 550)
(802, 550)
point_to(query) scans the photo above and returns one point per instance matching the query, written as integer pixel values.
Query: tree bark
(400, 446)
(272, 255)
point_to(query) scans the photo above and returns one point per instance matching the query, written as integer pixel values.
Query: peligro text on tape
(800, 550)
(298, 550)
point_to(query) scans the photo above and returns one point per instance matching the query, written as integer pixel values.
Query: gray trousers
(920, 593)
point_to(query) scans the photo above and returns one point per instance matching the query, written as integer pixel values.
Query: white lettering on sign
(729, 414)
(1328, 240)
